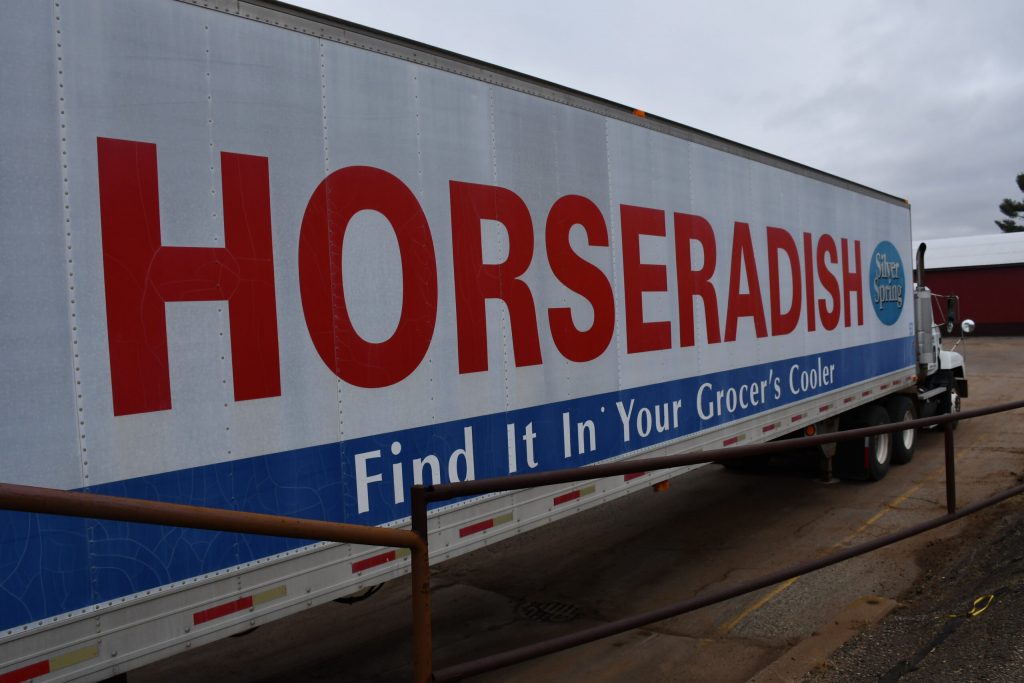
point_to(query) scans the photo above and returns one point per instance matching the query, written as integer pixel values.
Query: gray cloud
(918, 99)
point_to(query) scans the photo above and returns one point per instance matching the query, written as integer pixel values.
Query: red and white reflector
(574, 495)
(485, 524)
(46, 666)
(238, 605)
(377, 560)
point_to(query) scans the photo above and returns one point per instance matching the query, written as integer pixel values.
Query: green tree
(1012, 210)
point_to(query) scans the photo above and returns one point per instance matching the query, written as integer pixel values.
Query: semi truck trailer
(259, 259)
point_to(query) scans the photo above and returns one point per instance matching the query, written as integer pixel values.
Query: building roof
(973, 250)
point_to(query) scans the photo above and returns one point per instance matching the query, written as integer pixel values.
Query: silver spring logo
(888, 283)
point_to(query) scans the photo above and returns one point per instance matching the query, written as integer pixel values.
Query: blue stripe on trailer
(52, 565)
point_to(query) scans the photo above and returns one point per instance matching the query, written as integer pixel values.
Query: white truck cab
(942, 377)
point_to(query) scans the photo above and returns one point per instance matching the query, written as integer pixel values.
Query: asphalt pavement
(963, 621)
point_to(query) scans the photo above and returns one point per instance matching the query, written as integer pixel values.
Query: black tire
(902, 409)
(870, 457)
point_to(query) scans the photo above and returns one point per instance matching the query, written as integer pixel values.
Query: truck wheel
(902, 409)
(870, 457)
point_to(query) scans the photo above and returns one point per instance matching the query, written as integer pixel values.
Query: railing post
(947, 429)
(422, 644)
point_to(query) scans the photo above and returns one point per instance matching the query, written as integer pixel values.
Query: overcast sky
(923, 100)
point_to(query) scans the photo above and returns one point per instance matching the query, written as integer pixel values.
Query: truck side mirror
(950, 314)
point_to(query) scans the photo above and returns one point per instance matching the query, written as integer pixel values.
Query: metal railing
(424, 495)
(53, 501)
(76, 504)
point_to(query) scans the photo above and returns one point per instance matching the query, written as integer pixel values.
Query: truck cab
(940, 384)
(942, 380)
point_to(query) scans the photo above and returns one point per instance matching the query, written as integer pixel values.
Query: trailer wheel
(902, 409)
(869, 457)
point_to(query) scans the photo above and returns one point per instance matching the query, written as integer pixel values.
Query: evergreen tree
(1012, 210)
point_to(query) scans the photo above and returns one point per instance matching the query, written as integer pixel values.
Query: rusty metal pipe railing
(422, 495)
(423, 649)
(604, 630)
(439, 492)
(950, 456)
(77, 504)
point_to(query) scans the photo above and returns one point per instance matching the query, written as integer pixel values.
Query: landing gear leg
(825, 462)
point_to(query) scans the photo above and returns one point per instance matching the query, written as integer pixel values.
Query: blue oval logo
(888, 283)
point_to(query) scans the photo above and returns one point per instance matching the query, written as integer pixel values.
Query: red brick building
(986, 272)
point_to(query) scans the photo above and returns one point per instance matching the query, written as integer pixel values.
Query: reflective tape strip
(75, 657)
(243, 603)
(484, 525)
(26, 672)
(768, 428)
(222, 610)
(866, 393)
(631, 477)
(883, 387)
(796, 418)
(575, 495)
(272, 594)
(848, 399)
(822, 409)
(377, 560)
(54, 664)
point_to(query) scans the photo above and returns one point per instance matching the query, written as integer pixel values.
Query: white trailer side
(257, 259)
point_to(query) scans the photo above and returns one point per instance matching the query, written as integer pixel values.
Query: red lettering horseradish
(776, 281)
